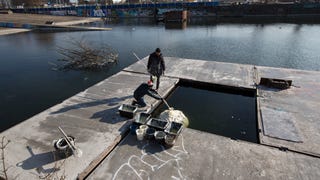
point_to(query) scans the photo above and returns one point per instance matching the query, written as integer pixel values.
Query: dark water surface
(220, 111)
(28, 85)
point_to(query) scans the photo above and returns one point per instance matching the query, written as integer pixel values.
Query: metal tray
(142, 118)
(157, 123)
(174, 128)
(127, 110)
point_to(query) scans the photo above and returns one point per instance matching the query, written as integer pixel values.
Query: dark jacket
(144, 89)
(156, 64)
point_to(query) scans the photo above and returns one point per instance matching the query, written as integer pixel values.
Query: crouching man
(141, 91)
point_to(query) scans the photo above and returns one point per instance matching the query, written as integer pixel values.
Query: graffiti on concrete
(58, 13)
(72, 12)
(98, 13)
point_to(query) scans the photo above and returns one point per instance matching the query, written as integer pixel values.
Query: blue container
(150, 133)
(133, 128)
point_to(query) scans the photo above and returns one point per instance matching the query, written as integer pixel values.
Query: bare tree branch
(4, 144)
(81, 55)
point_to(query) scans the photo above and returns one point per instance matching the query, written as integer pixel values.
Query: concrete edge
(93, 164)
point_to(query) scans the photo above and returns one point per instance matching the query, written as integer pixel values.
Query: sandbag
(175, 115)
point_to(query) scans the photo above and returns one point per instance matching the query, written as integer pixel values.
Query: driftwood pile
(81, 56)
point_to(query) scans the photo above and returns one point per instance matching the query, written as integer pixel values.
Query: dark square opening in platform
(223, 110)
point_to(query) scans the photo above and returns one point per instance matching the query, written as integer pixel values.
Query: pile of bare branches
(82, 56)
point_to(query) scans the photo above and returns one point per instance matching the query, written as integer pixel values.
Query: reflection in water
(297, 27)
(176, 25)
(28, 85)
(44, 40)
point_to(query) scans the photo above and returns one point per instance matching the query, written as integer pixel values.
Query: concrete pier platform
(290, 118)
(90, 116)
(199, 155)
(288, 130)
(287, 118)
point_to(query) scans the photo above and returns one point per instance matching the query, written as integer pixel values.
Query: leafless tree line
(5, 4)
(27, 3)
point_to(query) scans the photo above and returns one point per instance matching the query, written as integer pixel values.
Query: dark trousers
(158, 81)
(141, 102)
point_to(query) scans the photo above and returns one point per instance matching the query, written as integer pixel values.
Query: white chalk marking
(175, 158)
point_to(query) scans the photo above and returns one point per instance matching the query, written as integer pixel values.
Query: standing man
(156, 66)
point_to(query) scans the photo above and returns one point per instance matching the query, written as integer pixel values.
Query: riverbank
(7, 31)
(15, 23)
(288, 131)
(20, 18)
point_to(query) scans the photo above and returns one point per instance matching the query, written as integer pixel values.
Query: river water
(29, 84)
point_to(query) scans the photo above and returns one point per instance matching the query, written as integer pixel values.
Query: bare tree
(103, 2)
(5, 4)
(4, 169)
(2, 4)
(17, 2)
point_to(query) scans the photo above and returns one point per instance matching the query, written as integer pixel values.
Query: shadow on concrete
(37, 161)
(109, 102)
(106, 116)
